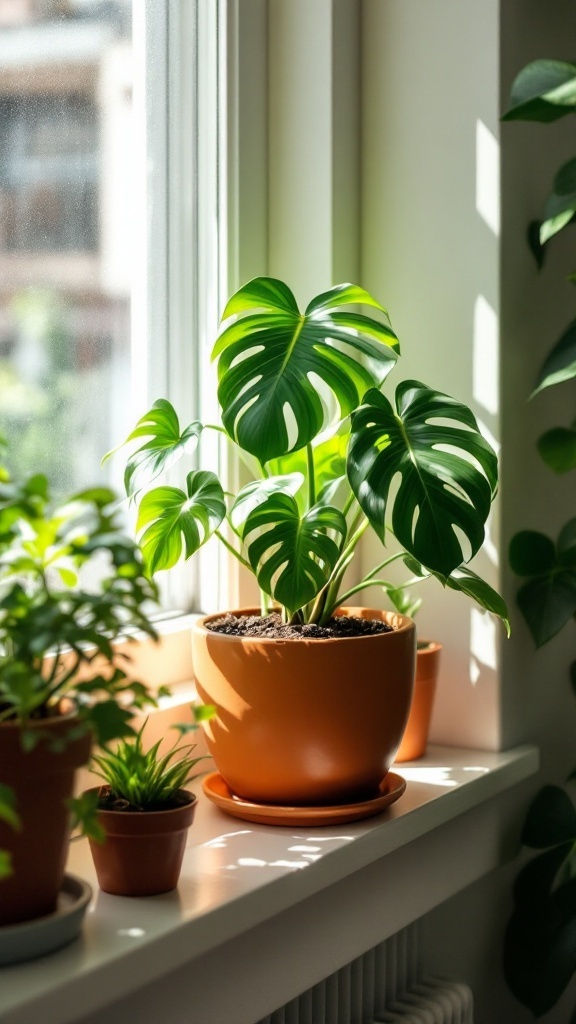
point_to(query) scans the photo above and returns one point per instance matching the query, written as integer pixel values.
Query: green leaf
(551, 819)
(466, 581)
(84, 815)
(536, 879)
(540, 949)
(557, 448)
(271, 358)
(257, 491)
(561, 204)
(8, 812)
(448, 474)
(544, 90)
(109, 721)
(329, 453)
(294, 556)
(171, 516)
(548, 600)
(560, 365)
(5, 864)
(165, 447)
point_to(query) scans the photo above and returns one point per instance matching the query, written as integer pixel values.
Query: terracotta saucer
(218, 791)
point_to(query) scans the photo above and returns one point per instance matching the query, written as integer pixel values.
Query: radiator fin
(387, 985)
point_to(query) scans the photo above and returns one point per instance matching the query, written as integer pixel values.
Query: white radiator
(384, 986)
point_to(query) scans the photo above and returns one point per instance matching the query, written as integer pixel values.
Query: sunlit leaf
(544, 90)
(448, 473)
(173, 520)
(273, 357)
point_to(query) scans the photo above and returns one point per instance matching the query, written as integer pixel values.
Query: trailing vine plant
(540, 946)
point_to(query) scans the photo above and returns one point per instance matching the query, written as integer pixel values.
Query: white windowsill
(239, 879)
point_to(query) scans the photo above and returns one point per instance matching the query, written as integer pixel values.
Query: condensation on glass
(66, 220)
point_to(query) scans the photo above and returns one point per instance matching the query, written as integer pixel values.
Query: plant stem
(311, 476)
(232, 550)
(367, 582)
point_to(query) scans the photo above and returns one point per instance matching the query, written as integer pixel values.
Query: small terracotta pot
(306, 722)
(43, 781)
(415, 738)
(143, 851)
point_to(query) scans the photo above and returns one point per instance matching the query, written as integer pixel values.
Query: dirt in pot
(107, 801)
(271, 627)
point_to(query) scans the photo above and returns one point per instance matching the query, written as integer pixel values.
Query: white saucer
(30, 939)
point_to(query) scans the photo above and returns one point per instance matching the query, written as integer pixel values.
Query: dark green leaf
(8, 810)
(536, 879)
(551, 819)
(557, 448)
(84, 815)
(548, 600)
(540, 949)
(534, 243)
(560, 365)
(5, 864)
(531, 553)
(448, 473)
(293, 555)
(109, 721)
(544, 90)
(269, 358)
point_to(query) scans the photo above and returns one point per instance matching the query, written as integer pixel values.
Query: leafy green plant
(539, 949)
(9, 815)
(330, 457)
(142, 779)
(71, 584)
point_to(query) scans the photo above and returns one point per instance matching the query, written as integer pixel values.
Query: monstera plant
(540, 956)
(331, 456)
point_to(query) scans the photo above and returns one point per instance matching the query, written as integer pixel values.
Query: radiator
(385, 985)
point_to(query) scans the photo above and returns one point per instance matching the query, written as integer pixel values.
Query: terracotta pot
(43, 781)
(143, 851)
(415, 738)
(306, 722)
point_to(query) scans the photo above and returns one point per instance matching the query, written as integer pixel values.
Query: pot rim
(401, 624)
(149, 815)
(69, 714)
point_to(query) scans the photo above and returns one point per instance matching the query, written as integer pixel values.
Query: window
(105, 203)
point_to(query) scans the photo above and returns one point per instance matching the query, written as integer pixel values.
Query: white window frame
(179, 283)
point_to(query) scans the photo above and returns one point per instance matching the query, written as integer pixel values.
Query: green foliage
(300, 396)
(71, 584)
(9, 815)
(540, 943)
(142, 778)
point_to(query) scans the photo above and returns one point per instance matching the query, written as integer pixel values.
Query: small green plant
(71, 583)
(142, 780)
(330, 455)
(9, 815)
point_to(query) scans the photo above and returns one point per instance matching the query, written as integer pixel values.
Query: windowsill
(239, 877)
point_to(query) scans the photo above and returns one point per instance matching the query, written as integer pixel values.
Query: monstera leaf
(329, 460)
(258, 491)
(447, 470)
(274, 358)
(166, 445)
(295, 554)
(170, 517)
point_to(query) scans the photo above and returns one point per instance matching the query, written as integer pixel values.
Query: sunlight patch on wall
(488, 177)
(485, 356)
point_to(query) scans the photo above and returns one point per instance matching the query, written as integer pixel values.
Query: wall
(465, 298)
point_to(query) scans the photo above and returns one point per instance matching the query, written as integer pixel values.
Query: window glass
(66, 227)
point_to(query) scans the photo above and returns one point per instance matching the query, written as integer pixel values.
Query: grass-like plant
(143, 780)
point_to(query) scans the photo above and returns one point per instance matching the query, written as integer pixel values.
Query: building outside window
(66, 225)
